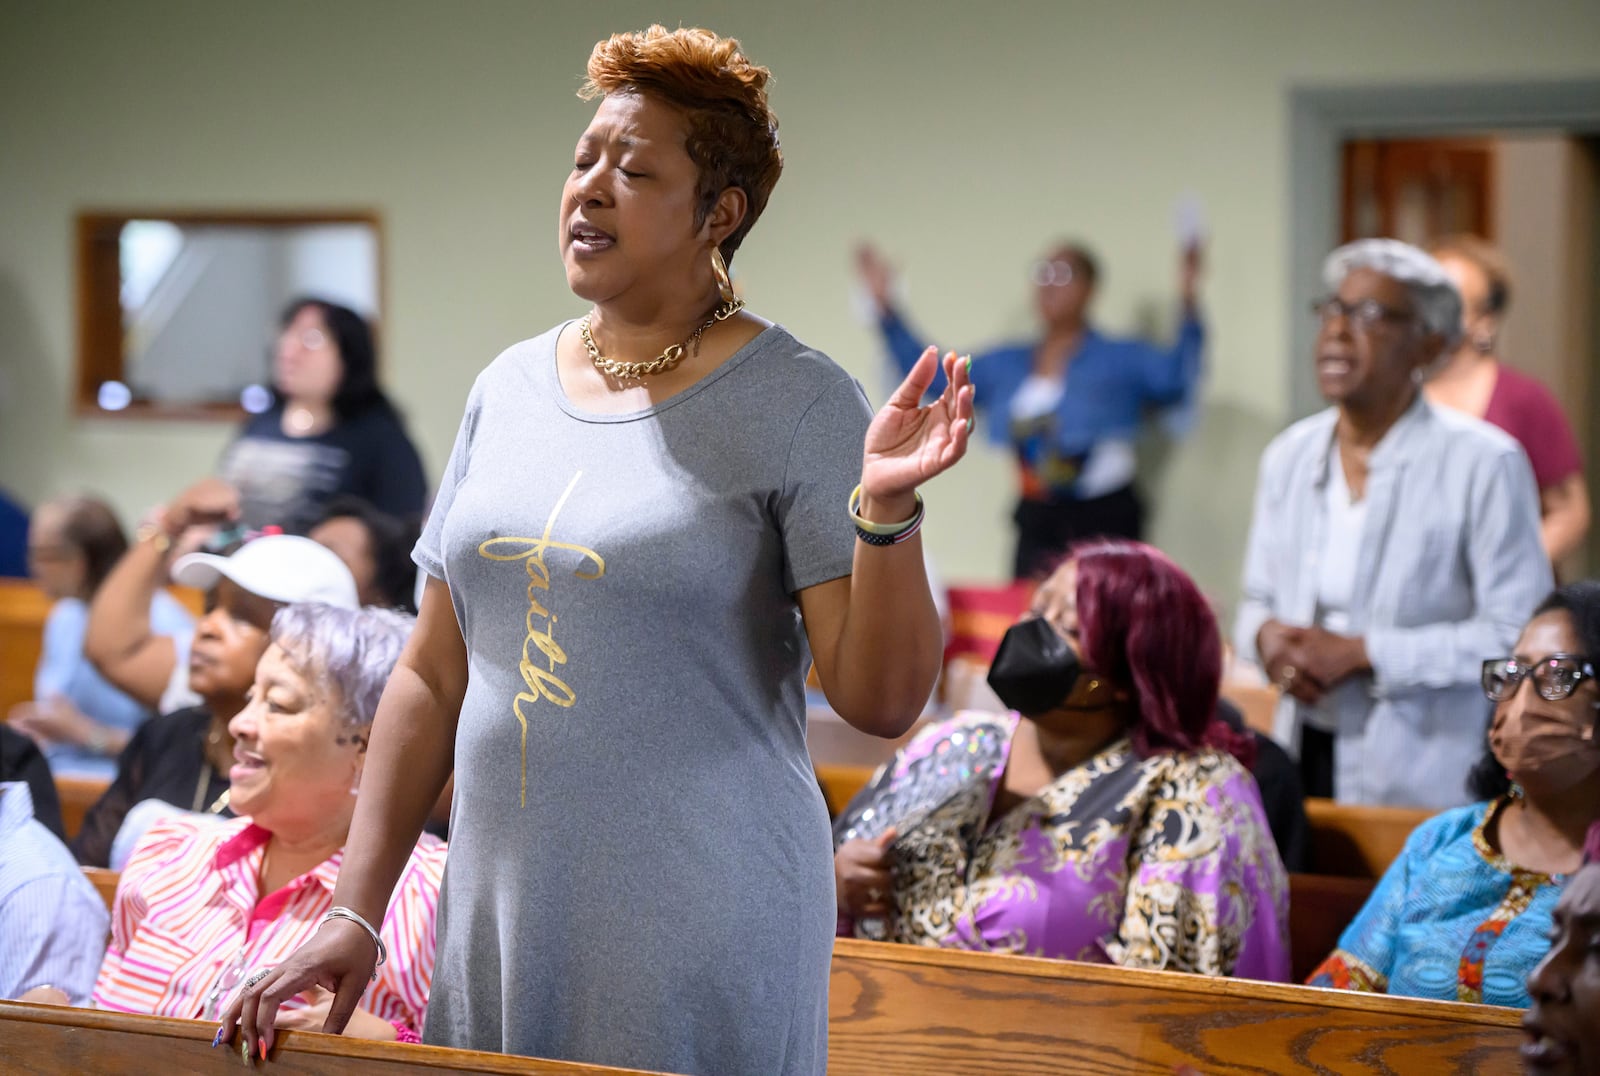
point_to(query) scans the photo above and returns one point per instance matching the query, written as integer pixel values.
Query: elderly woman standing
(1393, 547)
(646, 530)
(204, 905)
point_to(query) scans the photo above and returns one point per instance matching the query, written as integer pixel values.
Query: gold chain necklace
(667, 360)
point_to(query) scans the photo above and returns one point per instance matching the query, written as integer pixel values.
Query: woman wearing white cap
(1394, 546)
(182, 757)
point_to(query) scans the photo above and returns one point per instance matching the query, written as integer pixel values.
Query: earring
(719, 269)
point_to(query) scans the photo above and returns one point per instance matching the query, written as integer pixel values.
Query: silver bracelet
(339, 912)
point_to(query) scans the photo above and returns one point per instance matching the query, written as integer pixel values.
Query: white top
(1037, 396)
(1336, 582)
(1458, 572)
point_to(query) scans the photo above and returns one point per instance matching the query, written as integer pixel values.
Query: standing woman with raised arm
(643, 537)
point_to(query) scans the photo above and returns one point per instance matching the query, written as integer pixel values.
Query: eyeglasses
(1056, 274)
(1364, 316)
(310, 339)
(1555, 677)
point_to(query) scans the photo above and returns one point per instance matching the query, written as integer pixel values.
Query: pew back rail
(901, 1009)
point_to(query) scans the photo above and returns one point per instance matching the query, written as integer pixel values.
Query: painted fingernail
(221, 1031)
(263, 1044)
(969, 423)
(969, 364)
(244, 1050)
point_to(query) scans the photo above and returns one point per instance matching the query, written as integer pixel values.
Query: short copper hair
(1487, 257)
(733, 135)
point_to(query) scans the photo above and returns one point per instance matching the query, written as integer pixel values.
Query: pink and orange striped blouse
(189, 923)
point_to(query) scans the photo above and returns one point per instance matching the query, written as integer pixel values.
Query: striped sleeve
(148, 872)
(54, 936)
(401, 993)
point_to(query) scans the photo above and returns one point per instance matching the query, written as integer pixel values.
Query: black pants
(1047, 529)
(1316, 762)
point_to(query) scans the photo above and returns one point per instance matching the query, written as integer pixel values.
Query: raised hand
(1191, 264)
(877, 275)
(909, 443)
(210, 500)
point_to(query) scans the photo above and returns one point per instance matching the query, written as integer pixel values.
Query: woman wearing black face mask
(1107, 819)
(1464, 913)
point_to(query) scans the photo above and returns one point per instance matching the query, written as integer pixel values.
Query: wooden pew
(903, 1009)
(78, 794)
(105, 882)
(1320, 907)
(23, 608)
(45, 1039)
(1356, 841)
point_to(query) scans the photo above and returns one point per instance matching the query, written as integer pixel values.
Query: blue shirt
(64, 672)
(1111, 384)
(53, 924)
(1451, 920)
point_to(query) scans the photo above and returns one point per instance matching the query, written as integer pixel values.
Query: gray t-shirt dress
(640, 867)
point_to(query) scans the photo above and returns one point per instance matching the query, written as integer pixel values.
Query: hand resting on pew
(206, 907)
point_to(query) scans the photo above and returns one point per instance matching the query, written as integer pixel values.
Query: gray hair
(348, 653)
(1433, 293)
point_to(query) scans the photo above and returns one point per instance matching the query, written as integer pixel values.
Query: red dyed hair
(733, 135)
(1143, 623)
(1591, 844)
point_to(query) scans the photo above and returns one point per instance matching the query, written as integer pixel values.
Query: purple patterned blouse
(1163, 862)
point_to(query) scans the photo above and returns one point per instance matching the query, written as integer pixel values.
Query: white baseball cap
(278, 567)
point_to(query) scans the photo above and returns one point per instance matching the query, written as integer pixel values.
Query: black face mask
(1034, 670)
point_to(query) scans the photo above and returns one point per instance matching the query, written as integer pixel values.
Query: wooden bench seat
(78, 795)
(1358, 841)
(49, 1040)
(903, 1009)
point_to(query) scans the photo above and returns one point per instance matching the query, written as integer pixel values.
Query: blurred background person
(52, 921)
(1392, 547)
(13, 538)
(1463, 914)
(330, 430)
(1070, 404)
(1110, 813)
(183, 757)
(1473, 379)
(375, 546)
(83, 721)
(21, 760)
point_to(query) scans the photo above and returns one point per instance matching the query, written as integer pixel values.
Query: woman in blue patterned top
(1464, 913)
(1070, 404)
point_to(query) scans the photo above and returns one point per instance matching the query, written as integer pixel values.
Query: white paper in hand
(1189, 220)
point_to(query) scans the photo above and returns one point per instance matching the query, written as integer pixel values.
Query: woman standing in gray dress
(645, 533)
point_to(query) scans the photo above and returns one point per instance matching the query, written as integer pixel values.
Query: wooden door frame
(1322, 118)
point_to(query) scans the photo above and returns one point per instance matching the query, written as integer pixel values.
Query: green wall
(962, 137)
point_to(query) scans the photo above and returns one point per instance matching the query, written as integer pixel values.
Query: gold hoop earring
(719, 269)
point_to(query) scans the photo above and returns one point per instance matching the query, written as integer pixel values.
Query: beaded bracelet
(345, 913)
(881, 534)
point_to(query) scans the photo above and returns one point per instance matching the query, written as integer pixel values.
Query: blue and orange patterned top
(1451, 919)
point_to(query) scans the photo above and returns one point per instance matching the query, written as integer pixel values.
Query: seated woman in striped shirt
(205, 904)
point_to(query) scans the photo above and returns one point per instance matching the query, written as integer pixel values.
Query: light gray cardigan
(1450, 567)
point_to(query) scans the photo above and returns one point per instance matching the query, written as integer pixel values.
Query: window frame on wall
(100, 353)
